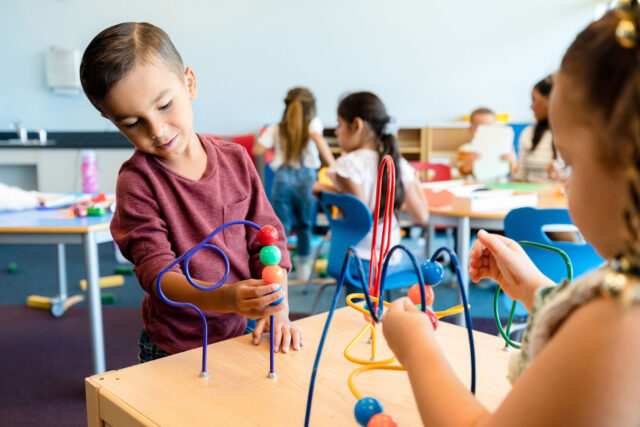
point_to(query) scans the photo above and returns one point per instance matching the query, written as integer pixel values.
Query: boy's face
(481, 119)
(151, 107)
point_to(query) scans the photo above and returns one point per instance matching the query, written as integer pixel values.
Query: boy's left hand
(286, 334)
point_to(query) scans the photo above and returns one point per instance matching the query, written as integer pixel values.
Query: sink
(28, 143)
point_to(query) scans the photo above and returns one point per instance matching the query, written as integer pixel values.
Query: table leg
(95, 308)
(430, 241)
(462, 250)
(62, 273)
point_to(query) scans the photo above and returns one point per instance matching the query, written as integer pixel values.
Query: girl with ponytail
(298, 144)
(366, 133)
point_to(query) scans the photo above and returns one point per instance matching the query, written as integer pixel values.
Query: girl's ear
(190, 80)
(357, 125)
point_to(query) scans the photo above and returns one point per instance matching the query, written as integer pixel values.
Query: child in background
(539, 159)
(297, 140)
(467, 157)
(582, 337)
(366, 133)
(175, 189)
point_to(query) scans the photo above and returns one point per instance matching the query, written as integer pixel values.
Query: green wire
(496, 313)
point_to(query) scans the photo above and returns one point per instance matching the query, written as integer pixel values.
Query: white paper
(491, 142)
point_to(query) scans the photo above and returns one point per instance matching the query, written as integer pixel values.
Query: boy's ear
(192, 87)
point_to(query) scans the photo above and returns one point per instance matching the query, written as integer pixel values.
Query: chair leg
(305, 291)
(316, 300)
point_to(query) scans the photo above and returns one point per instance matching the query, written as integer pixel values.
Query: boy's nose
(156, 130)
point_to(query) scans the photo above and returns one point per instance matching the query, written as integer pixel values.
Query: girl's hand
(251, 298)
(285, 333)
(503, 260)
(404, 326)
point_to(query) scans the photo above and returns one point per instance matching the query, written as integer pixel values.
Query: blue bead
(432, 272)
(278, 301)
(366, 408)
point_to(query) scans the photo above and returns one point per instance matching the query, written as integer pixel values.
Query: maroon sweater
(160, 215)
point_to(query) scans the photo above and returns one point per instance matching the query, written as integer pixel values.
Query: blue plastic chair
(347, 230)
(530, 224)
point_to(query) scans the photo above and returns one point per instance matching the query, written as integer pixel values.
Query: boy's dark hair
(608, 75)
(300, 107)
(371, 110)
(116, 50)
(479, 111)
(544, 87)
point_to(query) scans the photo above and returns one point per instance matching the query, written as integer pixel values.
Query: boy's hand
(503, 260)
(285, 333)
(251, 298)
(403, 325)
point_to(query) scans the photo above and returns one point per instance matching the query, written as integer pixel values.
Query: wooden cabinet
(412, 142)
(442, 141)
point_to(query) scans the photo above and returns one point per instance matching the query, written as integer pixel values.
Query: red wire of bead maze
(375, 266)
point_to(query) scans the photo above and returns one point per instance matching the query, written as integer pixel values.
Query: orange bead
(414, 294)
(272, 274)
(382, 420)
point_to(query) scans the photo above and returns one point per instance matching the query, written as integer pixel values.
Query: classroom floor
(43, 360)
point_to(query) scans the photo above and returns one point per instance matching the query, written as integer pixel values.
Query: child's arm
(590, 363)
(258, 149)
(503, 260)
(442, 399)
(323, 149)
(248, 298)
(416, 203)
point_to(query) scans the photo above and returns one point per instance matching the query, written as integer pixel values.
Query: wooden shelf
(412, 142)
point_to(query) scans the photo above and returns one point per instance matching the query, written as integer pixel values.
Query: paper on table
(491, 142)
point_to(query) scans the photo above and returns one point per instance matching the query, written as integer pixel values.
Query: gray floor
(37, 275)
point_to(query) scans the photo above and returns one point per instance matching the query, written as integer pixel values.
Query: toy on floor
(368, 410)
(56, 305)
(269, 255)
(105, 282)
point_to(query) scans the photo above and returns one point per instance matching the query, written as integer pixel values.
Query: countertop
(72, 140)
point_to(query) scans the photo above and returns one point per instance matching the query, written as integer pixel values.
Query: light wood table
(45, 227)
(169, 392)
(465, 220)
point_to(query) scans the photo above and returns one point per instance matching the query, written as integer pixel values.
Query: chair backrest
(532, 224)
(347, 229)
(432, 171)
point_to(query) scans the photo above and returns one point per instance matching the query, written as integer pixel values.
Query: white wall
(429, 60)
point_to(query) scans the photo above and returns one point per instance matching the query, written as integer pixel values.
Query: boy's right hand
(251, 298)
(503, 260)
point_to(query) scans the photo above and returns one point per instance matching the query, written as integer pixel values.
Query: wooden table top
(169, 391)
(549, 198)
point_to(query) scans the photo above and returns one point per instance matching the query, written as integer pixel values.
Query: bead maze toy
(270, 256)
(369, 411)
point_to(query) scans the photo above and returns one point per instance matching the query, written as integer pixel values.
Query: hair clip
(390, 128)
(626, 33)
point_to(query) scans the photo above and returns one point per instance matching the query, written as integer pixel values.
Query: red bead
(272, 274)
(268, 235)
(414, 294)
(382, 420)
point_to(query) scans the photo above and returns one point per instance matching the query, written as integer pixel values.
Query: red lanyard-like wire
(375, 266)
